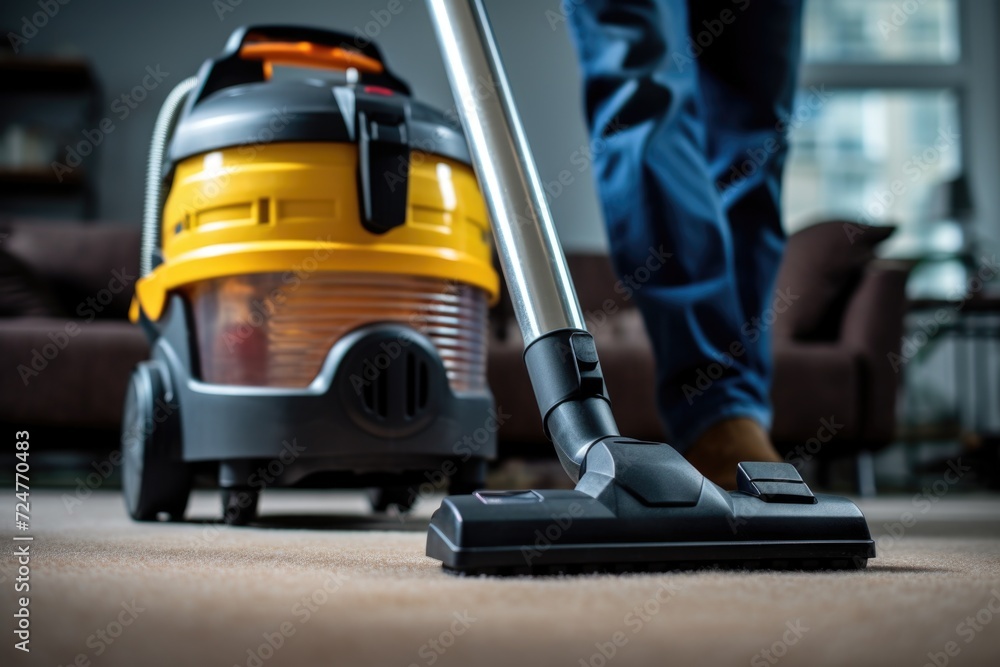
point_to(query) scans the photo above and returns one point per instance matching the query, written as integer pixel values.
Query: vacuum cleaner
(316, 271)
(311, 188)
(636, 505)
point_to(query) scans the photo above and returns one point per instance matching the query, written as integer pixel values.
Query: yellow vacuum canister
(316, 273)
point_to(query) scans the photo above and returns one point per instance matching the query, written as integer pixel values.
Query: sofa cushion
(91, 268)
(67, 372)
(23, 293)
(597, 286)
(600, 293)
(511, 387)
(829, 410)
(822, 265)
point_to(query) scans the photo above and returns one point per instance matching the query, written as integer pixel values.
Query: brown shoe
(725, 444)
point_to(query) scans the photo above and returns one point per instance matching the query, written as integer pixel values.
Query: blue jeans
(687, 104)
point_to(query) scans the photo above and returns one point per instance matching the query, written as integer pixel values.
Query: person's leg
(747, 57)
(747, 75)
(658, 194)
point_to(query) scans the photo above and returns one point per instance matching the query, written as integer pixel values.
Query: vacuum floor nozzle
(642, 507)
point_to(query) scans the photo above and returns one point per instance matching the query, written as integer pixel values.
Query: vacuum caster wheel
(398, 496)
(239, 505)
(155, 479)
(469, 478)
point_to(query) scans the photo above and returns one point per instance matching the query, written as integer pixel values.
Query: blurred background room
(891, 199)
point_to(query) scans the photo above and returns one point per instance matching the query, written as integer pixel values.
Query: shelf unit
(46, 81)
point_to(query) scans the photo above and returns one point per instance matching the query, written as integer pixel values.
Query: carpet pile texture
(320, 582)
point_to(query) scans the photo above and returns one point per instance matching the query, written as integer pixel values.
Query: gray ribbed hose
(165, 121)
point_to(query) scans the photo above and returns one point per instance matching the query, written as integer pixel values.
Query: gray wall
(122, 37)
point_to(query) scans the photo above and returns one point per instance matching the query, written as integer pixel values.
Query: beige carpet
(202, 594)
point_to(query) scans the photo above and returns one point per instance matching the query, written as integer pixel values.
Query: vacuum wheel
(155, 479)
(239, 505)
(469, 477)
(399, 496)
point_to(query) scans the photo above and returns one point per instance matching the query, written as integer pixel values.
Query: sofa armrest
(78, 262)
(873, 328)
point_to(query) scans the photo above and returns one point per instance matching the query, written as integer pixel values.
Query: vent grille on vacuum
(275, 329)
(375, 395)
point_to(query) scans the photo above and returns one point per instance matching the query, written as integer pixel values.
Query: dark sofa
(834, 391)
(68, 348)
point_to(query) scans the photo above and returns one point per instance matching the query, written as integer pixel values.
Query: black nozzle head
(642, 507)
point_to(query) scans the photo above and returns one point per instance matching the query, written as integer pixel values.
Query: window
(882, 31)
(873, 155)
(889, 127)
